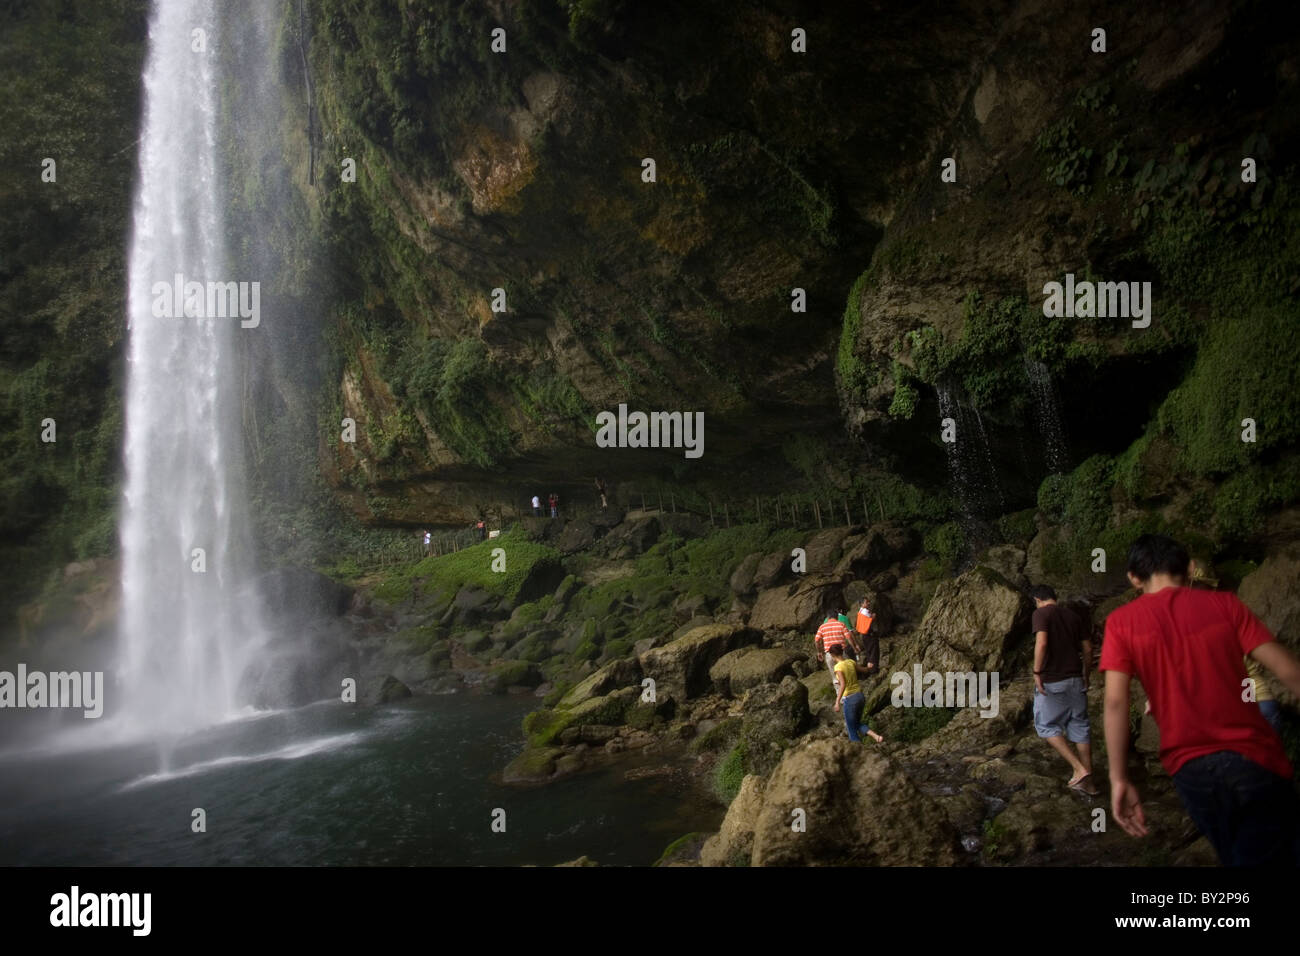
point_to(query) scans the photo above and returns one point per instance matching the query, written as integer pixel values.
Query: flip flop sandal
(1084, 785)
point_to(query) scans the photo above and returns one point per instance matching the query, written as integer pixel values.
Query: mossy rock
(616, 649)
(512, 674)
(544, 725)
(474, 641)
(730, 772)
(610, 709)
(723, 735)
(530, 649)
(423, 636)
(683, 850)
(558, 692)
(616, 675)
(534, 765)
(640, 716)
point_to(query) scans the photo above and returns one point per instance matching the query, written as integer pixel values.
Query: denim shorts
(1062, 710)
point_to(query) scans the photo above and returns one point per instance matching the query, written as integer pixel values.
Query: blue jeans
(1249, 814)
(1272, 713)
(853, 706)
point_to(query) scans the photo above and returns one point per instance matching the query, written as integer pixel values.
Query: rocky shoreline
(630, 666)
(735, 688)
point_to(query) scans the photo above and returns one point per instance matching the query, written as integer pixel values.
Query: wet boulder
(775, 714)
(681, 667)
(740, 670)
(859, 809)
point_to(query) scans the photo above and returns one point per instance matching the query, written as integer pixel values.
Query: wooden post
(847, 519)
(672, 497)
(818, 512)
(777, 504)
(866, 515)
(661, 501)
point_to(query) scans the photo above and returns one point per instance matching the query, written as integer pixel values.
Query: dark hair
(1042, 592)
(835, 650)
(1157, 554)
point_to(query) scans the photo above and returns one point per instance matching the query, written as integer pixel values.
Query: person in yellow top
(849, 695)
(1268, 706)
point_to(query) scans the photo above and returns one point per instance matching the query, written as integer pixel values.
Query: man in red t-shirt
(1186, 648)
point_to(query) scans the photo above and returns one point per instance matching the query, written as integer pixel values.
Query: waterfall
(970, 462)
(1047, 415)
(190, 623)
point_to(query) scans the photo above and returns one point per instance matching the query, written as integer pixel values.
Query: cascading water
(190, 621)
(970, 462)
(1047, 414)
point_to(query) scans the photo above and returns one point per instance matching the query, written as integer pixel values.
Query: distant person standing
(870, 644)
(600, 490)
(1062, 658)
(1228, 765)
(428, 542)
(848, 694)
(481, 527)
(554, 502)
(537, 506)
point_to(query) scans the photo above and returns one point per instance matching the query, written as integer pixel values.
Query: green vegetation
(987, 360)
(450, 383)
(995, 835)
(723, 736)
(633, 608)
(1082, 498)
(1018, 527)
(917, 723)
(730, 773)
(855, 377)
(947, 542)
(1234, 247)
(1068, 161)
(63, 333)
(677, 846)
(469, 567)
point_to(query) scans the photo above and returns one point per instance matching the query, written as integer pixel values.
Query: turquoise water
(412, 784)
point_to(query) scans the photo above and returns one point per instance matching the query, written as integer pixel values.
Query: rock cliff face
(522, 171)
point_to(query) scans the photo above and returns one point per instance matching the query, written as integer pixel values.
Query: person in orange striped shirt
(833, 632)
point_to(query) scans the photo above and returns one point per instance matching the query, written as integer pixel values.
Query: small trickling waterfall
(1047, 415)
(970, 462)
(191, 621)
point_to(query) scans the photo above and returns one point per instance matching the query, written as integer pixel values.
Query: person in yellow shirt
(1268, 705)
(849, 696)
